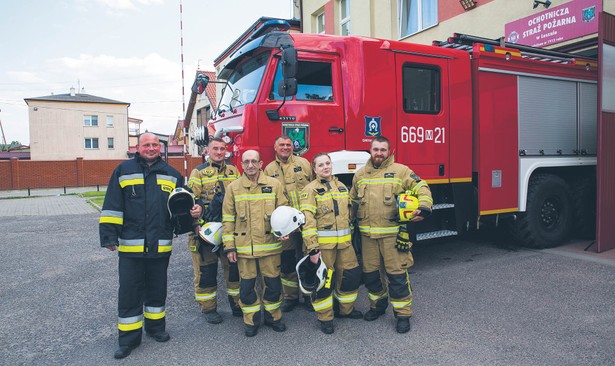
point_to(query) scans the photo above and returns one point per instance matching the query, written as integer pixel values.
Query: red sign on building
(571, 20)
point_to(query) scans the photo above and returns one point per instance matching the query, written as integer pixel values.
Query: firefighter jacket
(374, 192)
(246, 216)
(135, 213)
(205, 177)
(326, 206)
(205, 181)
(295, 174)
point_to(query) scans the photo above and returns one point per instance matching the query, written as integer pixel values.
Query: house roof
(77, 98)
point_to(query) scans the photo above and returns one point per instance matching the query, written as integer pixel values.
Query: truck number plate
(418, 135)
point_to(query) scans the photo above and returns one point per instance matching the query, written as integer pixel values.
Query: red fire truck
(498, 131)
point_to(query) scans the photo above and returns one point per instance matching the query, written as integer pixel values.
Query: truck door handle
(336, 130)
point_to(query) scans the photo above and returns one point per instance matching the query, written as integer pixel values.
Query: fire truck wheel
(583, 190)
(548, 217)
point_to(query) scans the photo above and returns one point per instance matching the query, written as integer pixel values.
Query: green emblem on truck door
(299, 133)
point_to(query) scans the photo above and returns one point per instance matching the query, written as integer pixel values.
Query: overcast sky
(126, 50)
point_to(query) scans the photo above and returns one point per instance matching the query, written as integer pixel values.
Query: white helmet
(211, 232)
(285, 220)
(312, 277)
(180, 202)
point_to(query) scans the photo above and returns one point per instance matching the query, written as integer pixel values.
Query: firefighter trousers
(344, 285)
(267, 269)
(141, 296)
(378, 254)
(291, 249)
(205, 265)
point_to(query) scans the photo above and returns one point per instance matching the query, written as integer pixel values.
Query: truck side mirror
(287, 87)
(200, 83)
(289, 62)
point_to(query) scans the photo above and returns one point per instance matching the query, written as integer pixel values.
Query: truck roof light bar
(465, 42)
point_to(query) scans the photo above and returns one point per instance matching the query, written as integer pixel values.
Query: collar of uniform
(215, 165)
(247, 183)
(143, 162)
(387, 162)
(290, 160)
(323, 183)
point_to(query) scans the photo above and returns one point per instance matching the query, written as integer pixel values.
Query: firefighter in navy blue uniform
(384, 241)
(205, 181)
(136, 221)
(248, 241)
(327, 233)
(294, 172)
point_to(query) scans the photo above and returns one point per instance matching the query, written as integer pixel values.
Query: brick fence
(24, 174)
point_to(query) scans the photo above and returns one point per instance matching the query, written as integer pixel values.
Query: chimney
(72, 91)
(82, 90)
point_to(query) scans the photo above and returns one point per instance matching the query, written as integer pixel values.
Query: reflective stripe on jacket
(135, 214)
(374, 192)
(246, 216)
(294, 175)
(204, 184)
(326, 206)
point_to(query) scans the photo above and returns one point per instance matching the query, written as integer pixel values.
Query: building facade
(423, 21)
(69, 126)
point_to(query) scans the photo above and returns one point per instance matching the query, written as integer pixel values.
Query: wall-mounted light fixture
(467, 4)
(546, 4)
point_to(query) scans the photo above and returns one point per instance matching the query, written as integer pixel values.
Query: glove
(402, 244)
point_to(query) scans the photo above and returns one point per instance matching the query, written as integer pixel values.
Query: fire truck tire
(546, 223)
(584, 204)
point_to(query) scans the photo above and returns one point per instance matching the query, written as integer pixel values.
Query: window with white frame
(109, 121)
(416, 15)
(89, 120)
(90, 143)
(345, 17)
(110, 144)
(320, 23)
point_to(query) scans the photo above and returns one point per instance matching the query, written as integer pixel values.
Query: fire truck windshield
(243, 83)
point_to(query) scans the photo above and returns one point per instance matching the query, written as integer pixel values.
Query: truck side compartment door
(423, 134)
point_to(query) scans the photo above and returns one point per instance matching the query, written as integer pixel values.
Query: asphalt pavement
(476, 302)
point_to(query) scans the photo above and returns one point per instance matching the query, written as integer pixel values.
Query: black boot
(403, 325)
(276, 325)
(288, 305)
(161, 336)
(235, 309)
(327, 327)
(123, 351)
(372, 315)
(213, 317)
(251, 330)
(354, 314)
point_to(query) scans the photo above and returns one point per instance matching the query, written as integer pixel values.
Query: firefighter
(207, 181)
(294, 172)
(384, 240)
(135, 221)
(327, 235)
(248, 241)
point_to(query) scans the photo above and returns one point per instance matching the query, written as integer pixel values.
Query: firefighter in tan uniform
(294, 172)
(327, 234)
(205, 181)
(384, 240)
(249, 242)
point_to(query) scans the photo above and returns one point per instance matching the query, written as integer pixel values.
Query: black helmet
(180, 202)
(312, 277)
